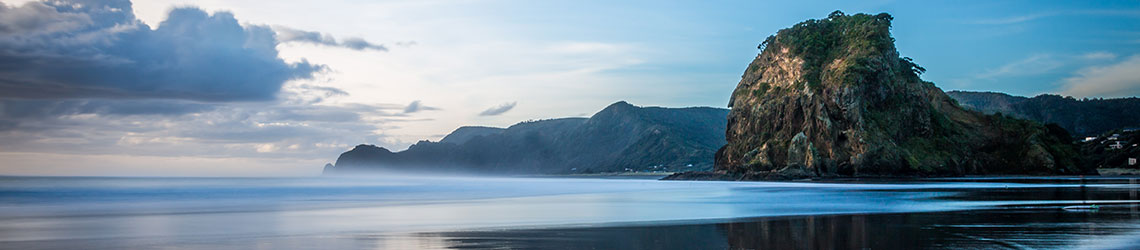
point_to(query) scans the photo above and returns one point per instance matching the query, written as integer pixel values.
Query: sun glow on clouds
(449, 78)
(51, 164)
(464, 67)
(1121, 79)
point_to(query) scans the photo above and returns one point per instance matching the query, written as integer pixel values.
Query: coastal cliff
(833, 98)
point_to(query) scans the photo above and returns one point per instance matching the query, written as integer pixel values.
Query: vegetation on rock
(832, 97)
(1081, 117)
(1112, 149)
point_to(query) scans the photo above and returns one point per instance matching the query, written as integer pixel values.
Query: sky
(279, 88)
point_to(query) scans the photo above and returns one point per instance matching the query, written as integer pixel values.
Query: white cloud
(499, 109)
(1015, 19)
(47, 164)
(1117, 80)
(1036, 65)
(1101, 55)
(467, 56)
(416, 106)
(266, 148)
(286, 35)
(100, 50)
(587, 48)
(1032, 65)
(183, 129)
(1036, 16)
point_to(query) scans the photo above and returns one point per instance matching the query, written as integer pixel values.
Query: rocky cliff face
(620, 137)
(832, 97)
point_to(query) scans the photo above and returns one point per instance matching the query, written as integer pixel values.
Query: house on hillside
(1116, 145)
(1088, 139)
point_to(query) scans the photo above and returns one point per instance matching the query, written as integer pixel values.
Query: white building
(1131, 161)
(1116, 145)
(1088, 139)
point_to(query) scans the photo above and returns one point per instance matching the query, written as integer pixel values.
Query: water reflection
(1113, 227)
(1023, 217)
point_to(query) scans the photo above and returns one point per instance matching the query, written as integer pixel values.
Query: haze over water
(402, 212)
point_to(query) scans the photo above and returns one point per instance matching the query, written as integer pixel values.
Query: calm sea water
(417, 212)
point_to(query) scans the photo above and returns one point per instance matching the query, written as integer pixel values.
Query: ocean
(465, 212)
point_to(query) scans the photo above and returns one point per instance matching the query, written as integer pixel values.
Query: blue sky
(1017, 47)
(243, 87)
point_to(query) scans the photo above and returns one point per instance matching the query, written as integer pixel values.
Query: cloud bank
(498, 110)
(416, 106)
(1117, 80)
(98, 49)
(1033, 65)
(286, 34)
(86, 77)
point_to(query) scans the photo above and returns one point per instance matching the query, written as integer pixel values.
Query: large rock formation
(621, 137)
(832, 97)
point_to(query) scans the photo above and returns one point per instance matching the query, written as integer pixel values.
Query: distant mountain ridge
(620, 137)
(465, 133)
(1087, 117)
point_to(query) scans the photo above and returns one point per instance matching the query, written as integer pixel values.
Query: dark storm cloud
(87, 77)
(98, 49)
(39, 114)
(37, 17)
(305, 114)
(286, 34)
(228, 130)
(247, 134)
(416, 106)
(498, 110)
(38, 108)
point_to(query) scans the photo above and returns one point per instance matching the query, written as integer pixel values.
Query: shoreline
(777, 176)
(946, 228)
(632, 175)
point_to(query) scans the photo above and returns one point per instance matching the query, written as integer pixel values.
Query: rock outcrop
(832, 97)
